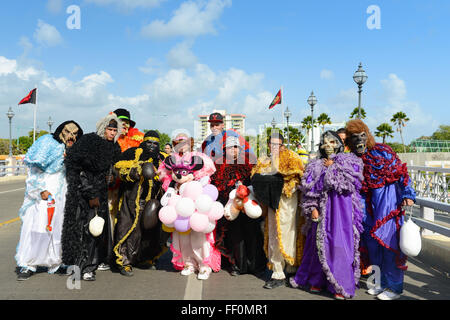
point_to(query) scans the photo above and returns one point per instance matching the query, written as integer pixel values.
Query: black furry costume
(133, 243)
(240, 241)
(87, 162)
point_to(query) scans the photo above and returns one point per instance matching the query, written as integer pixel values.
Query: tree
(399, 119)
(384, 130)
(443, 133)
(323, 119)
(354, 113)
(294, 135)
(307, 122)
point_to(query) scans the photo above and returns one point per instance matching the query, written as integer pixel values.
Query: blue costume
(37, 246)
(386, 184)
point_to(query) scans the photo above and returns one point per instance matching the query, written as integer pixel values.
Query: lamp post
(359, 77)
(50, 122)
(312, 102)
(274, 123)
(287, 114)
(10, 115)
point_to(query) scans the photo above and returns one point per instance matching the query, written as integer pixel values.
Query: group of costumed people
(113, 199)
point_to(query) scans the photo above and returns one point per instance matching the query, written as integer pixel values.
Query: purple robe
(331, 255)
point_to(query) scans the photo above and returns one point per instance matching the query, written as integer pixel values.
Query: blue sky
(168, 61)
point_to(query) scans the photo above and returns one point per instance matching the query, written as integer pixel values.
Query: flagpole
(34, 120)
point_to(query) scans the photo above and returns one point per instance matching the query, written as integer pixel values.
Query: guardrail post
(427, 214)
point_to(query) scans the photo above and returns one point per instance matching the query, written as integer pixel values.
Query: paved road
(421, 281)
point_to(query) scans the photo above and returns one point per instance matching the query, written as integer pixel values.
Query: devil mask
(68, 133)
(357, 142)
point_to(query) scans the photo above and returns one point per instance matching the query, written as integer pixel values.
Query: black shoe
(24, 274)
(235, 271)
(126, 271)
(274, 283)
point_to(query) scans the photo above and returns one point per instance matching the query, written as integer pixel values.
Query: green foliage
(307, 122)
(398, 147)
(384, 130)
(443, 133)
(354, 114)
(323, 119)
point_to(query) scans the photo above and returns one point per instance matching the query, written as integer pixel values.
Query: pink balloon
(199, 222)
(210, 228)
(211, 191)
(216, 211)
(167, 215)
(192, 190)
(181, 224)
(173, 200)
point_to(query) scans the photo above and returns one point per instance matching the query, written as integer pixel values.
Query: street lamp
(359, 77)
(274, 123)
(287, 114)
(50, 122)
(10, 115)
(312, 102)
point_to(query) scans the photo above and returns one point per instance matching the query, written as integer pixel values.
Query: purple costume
(331, 255)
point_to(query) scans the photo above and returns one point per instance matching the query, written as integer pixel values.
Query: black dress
(240, 241)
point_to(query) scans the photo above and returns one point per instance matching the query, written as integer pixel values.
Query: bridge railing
(426, 217)
(431, 182)
(16, 170)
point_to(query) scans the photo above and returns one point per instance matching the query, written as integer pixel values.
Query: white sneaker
(103, 267)
(89, 276)
(375, 291)
(293, 283)
(187, 271)
(388, 295)
(203, 275)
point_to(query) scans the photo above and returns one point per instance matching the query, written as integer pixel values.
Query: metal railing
(431, 182)
(426, 217)
(18, 169)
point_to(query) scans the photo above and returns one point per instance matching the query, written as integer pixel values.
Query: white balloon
(203, 203)
(96, 226)
(185, 207)
(210, 228)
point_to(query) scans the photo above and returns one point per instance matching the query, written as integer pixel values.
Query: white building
(231, 120)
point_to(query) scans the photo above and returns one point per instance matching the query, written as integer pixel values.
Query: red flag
(276, 100)
(30, 98)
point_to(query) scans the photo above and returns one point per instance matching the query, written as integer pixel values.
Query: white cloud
(151, 66)
(47, 35)
(326, 74)
(54, 6)
(191, 19)
(181, 56)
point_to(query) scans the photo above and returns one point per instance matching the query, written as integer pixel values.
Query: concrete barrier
(436, 252)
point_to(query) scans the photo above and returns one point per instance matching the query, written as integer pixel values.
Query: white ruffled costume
(46, 171)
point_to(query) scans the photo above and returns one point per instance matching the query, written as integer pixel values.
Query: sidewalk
(12, 178)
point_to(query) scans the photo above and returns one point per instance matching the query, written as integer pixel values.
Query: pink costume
(193, 249)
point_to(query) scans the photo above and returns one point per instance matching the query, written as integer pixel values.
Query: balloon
(192, 189)
(150, 218)
(203, 203)
(182, 224)
(174, 200)
(210, 228)
(216, 211)
(185, 207)
(167, 228)
(148, 171)
(198, 222)
(211, 191)
(167, 215)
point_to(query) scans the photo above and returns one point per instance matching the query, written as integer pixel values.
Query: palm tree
(307, 122)
(399, 119)
(354, 113)
(323, 120)
(294, 135)
(384, 130)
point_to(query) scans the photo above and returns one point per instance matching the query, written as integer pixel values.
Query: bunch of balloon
(195, 207)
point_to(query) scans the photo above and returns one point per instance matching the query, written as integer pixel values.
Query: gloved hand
(134, 175)
(167, 196)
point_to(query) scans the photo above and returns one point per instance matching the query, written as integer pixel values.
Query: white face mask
(330, 145)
